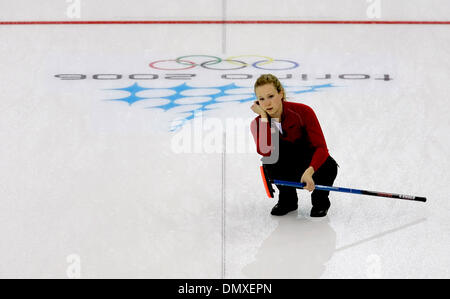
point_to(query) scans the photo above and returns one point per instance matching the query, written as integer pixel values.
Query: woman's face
(269, 99)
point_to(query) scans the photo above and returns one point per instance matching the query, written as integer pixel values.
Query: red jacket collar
(288, 115)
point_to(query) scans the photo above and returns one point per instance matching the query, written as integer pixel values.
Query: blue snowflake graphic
(177, 95)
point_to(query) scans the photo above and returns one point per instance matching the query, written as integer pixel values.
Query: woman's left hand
(307, 178)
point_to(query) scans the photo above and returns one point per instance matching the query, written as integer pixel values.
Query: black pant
(292, 170)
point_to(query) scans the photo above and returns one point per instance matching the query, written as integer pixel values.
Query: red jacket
(295, 119)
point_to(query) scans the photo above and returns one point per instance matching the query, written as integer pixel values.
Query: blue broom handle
(348, 190)
(318, 187)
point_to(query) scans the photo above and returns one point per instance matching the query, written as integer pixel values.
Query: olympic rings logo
(216, 63)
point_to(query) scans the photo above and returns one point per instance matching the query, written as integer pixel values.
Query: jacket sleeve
(261, 134)
(316, 138)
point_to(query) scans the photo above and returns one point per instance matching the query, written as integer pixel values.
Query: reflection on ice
(298, 248)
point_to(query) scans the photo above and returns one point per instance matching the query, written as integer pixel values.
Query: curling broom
(269, 190)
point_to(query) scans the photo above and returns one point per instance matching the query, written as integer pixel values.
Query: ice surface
(82, 175)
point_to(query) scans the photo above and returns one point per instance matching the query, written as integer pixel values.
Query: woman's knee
(326, 174)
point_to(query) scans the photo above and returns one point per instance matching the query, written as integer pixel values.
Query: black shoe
(316, 212)
(280, 210)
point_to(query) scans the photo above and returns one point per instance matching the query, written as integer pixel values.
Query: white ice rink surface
(97, 186)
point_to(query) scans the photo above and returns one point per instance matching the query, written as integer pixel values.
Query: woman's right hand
(258, 109)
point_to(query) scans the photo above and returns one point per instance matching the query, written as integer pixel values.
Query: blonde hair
(270, 79)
